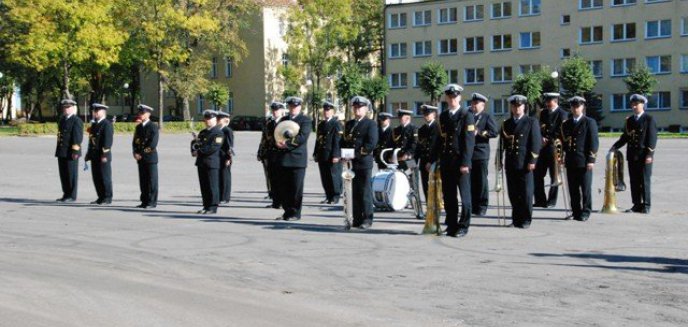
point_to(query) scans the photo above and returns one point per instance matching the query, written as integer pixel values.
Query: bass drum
(390, 190)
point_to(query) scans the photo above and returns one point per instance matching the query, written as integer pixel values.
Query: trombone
(560, 177)
(499, 186)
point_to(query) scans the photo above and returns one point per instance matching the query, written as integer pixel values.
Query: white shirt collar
(453, 111)
(143, 123)
(518, 118)
(576, 119)
(430, 122)
(99, 120)
(639, 115)
(555, 109)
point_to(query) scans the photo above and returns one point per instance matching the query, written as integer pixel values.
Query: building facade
(484, 45)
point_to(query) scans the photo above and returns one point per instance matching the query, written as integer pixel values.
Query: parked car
(246, 123)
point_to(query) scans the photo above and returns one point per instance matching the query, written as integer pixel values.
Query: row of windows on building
(618, 102)
(654, 29)
(498, 10)
(228, 66)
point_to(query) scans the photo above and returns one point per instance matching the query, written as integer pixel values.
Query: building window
(213, 68)
(228, 67)
(565, 53)
(501, 10)
(230, 103)
(422, 49)
(659, 64)
(474, 44)
(422, 18)
(502, 74)
(590, 4)
(395, 106)
(397, 20)
(658, 29)
(448, 15)
(453, 76)
(474, 13)
(596, 67)
(499, 106)
(684, 99)
(474, 76)
(622, 67)
(448, 46)
(530, 40)
(565, 19)
(200, 104)
(591, 34)
(530, 7)
(657, 1)
(684, 63)
(397, 50)
(398, 80)
(623, 32)
(525, 69)
(684, 26)
(623, 2)
(619, 102)
(501, 42)
(416, 79)
(659, 101)
(285, 60)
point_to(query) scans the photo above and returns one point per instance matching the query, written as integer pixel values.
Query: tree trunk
(161, 98)
(186, 109)
(65, 80)
(134, 88)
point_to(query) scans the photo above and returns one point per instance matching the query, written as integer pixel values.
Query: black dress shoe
(97, 202)
(292, 218)
(69, 200)
(202, 211)
(551, 205)
(462, 232)
(365, 226)
(60, 200)
(142, 206)
(325, 201)
(646, 210)
(540, 205)
(224, 202)
(105, 202)
(525, 225)
(150, 206)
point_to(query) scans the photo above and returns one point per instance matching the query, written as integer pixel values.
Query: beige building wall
(556, 35)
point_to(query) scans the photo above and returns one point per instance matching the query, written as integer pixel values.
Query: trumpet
(348, 176)
(434, 205)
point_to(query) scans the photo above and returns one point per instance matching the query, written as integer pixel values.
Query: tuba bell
(286, 130)
(434, 202)
(613, 181)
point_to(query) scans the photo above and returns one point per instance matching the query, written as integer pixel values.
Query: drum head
(390, 190)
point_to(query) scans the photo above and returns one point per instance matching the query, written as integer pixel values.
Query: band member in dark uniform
(521, 141)
(580, 142)
(266, 152)
(144, 148)
(68, 150)
(361, 135)
(227, 154)
(292, 160)
(485, 129)
(640, 133)
(454, 150)
(404, 135)
(427, 137)
(208, 161)
(99, 153)
(384, 138)
(327, 153)
(550, 126)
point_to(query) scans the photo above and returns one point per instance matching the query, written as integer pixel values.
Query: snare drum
(390, 190)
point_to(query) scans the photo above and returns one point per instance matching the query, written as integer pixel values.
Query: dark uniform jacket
(327, 145)
(362, 136)
(404, 138)
(69, 136)
(521, 142)
(296, 153)
(550, 126)
(100, 140)
(267, 140)
(427, 138)
(641, 137)
(580, 142)
(384, 141)
(228, 145)
(145, 142)
(457, 137)
(486, 127)
(209, 154)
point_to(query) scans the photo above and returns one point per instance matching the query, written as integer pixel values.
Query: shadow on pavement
(670, 265)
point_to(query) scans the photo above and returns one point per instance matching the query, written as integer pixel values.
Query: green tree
(375, 88)
(317, 29)
(44, 34)
(577, 78)
(217, 94)
(368, 37)
(432, 80)
(530, 86)
(640, 81)
(349, 85)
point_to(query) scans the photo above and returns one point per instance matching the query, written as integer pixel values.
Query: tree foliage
(576, 77)
(375, 89)
(432, 80)
(217, 94)
(640, 81)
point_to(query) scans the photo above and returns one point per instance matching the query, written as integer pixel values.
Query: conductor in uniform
(404, 135)
(208, 153)
(267, 149)
(521, 141)
(100, 153)
(550, 126)
(580, 142)
(327, 153)
(292, 160)
(427, 137)
(454, 151)
(485, 129)
(384, 138)
(68, 150)
(227, 154)
(145, 151)
(361, 135)
(640, 136)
